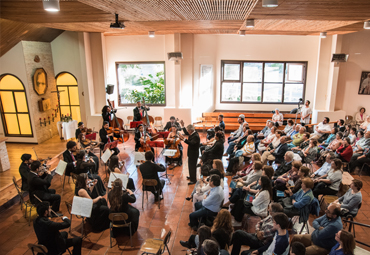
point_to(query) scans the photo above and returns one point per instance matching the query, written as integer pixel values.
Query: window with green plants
(141, 79)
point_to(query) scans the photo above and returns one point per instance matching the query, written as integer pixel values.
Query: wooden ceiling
(291, 17)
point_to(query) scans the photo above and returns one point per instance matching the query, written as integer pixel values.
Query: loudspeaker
(109, 89)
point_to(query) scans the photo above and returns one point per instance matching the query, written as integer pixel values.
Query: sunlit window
(14, 107)
(69, 99)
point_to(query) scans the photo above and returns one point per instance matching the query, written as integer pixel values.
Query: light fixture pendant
(269, 3)
(51, 5)
(242, 32)
(250, 23)
(367, 24)
(151, 33)
(323, 34)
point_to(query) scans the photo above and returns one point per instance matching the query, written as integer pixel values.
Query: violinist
(24, 170)
(116, 166)
(172, 138)
(139, 137)
(80, 129)
(107, 112)
(89, 145)
(69, 158)
(139, 111)
(107, 138)
(171, 123)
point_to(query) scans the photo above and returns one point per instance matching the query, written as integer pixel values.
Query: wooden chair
(74, 177)
(156, 246)
(69, 209)
(328, 199)
(158, 123)
(23, 202)
(150, 183)
(362, 168)
(116, 222)
(129, 119)
(208, 122)
(38, 249)
(199, 124)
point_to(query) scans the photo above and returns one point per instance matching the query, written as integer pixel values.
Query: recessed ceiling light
(269, 3)
(367, 24)
(242, 32)
(151, 33)
(51, 5)
(323, 34)
(250, 23)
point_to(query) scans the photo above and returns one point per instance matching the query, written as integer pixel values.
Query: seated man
(292, 132)
(171, 123)
(264, 132)
(239, 132)
(324, 169)
(298, 138)
(361, 160)
(359, 148)
(322, 238)
(139, 137)
(69, 158)
(232, 144)
(24, 170)
(80, 129)
(247, 151)
(286, 165)
(322, 128)
(276, 154)
(304, 143)
(221, 122)
(264, 232)
(39, 182)
(211, 205)
(150, 170)
(340, 125)
(48, 234)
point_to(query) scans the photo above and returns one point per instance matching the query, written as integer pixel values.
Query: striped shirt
(248, 148)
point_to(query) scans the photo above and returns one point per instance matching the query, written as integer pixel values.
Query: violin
(88, 131)
(174, 145)
(116, 126)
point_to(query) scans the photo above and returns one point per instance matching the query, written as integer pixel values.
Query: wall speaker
(109, 89)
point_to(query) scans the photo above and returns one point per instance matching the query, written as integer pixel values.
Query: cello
(116, 126)
(173, 146)
(144, 145)
(148, 123)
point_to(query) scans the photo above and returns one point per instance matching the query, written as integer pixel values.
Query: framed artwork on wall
(40, 81)
(364, 88)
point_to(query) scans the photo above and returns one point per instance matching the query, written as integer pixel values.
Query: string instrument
(148, 123)
(88, 131)
(174, 145)
(144, 145)
(117, 127)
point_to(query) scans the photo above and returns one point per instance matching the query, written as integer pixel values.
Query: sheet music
(114, 176)
(82, 206)
(169, 152)
(138, 157)
(106, 155)
(61, 167)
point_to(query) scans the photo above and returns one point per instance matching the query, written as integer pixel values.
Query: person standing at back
(139, 111)
(305, 113)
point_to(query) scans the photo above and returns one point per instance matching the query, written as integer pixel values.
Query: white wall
(357, 46)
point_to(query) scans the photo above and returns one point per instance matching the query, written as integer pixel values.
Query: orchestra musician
(171, 123)
(171, 138)
(139, 137)
(80, 129)
(24, 170)
(39, 181)
(139, 111)
(107, 138)
(89, 145)
(69, 158)
(106, 113)
(116, 166)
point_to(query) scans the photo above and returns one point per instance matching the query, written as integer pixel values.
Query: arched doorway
(69, 99)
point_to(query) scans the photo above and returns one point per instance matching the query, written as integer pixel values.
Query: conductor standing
(193, 143)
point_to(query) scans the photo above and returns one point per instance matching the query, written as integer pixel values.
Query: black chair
(116, 222)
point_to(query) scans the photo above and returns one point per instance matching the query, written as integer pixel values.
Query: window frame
(69, 97)
(141, 62)
(241, 63)
(16, 109)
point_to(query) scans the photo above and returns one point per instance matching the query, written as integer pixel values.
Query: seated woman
(210, 142)
(277, 118)
(173, 138)
(360, 134)
(309, 153)
(89, 145)
(200, 186)
(345, 152)
(346, 244)
(119, 203)
(254, 187)
(289, 126)
(291, 176)
(352, 135)
(262, 146)
(299, 200)
(364, 124)
(259, 205)
(352, 198)
(360, 116)
(83, 166)
(99, 219)
(302, 173)
(240, 155)
(246, 170)
(329, 183)
(333, 146)
(328, 140)
(116, 166)
(204, 233)
(347, 130)
(216, 151)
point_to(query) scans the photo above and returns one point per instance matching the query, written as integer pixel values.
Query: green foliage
(153, 90)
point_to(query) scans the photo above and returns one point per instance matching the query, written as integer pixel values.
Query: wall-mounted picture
(40, 81)
(365, 83)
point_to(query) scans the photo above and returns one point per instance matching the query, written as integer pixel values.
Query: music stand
(167, 152)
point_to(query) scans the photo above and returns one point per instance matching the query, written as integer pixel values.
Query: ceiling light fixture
(117, 24)
(269, 3)
(242, 32)
(151, 33)
(323, 34)
(51, 5)
(250, 23)
(367, 24)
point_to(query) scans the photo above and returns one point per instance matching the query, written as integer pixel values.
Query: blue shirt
(328, 140)
(324, 169)
(325, 237)
(214, 199)
(293, 133)
(302, 198)
(336, 252)
(222, 125)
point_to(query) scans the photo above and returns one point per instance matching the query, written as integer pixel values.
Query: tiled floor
(15, 233)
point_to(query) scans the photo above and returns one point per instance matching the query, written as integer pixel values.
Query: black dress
(85, 167)
(132, 212)
(130, 183)
(99, 219)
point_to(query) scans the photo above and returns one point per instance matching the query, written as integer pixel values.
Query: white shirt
(304, 111)
(322, 127)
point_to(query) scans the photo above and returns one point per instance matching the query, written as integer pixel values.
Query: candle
(44, 118)
(48, 117)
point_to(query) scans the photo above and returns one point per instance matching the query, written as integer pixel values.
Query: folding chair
(156, 246)
(38, 248)
(150, 183)
(116, 222)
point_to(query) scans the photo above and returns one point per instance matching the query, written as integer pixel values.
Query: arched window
(14, 107)
(69, 100)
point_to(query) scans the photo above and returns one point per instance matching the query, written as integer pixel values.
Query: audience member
(309, 153)
(324, 169)
(292, 176)
(329, 184)
(304, 143)
(289, 126)
(298, 138)
(305, 113)
(269, 139)
(302, 173)
(233, 146)
(360, 116)
(276, 154)
(340, 125)
(359, 149)
(329, 139)
(322, 128)
(277, 118)
(364, 124)
(286, 165)
(239, 132)
(245, 152)
(246, 170)
(346, 243)
(345, 151)
(201, 185)
(352, 198)
(297, 248)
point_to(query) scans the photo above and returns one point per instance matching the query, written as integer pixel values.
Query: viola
(117, 127)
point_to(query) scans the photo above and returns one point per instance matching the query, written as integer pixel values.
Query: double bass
(116, 126)
(148, 123)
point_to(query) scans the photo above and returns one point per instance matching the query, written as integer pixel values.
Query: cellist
(139, 111)
(139, 137)
(106, 138)
(171, 138)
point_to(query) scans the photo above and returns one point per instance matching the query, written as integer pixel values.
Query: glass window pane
(232, 72)
(12, 124)
(272, 92)
(252, 92)
(252, 72)
(63, 95)
(76, 114)
(7, 101)
(20, 100)
(293, 92)
(294, 72)
(25, 124)
(10, 82)
(230, 91)
(73, 95)
(66, 79)
(64, 110)
(274, 72)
